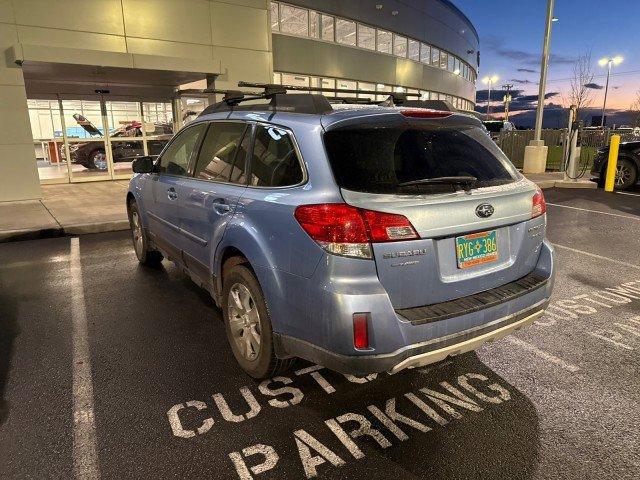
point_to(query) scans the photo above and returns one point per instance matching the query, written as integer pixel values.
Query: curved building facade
(425, 46)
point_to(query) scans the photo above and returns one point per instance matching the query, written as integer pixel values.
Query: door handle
(221, 207)
(172, 194)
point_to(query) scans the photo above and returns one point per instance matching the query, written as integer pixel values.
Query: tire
(98, 160)
(626, 174)
(250, 335)
(146, 255)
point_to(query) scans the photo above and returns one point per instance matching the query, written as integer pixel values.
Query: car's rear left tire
(146, 255)
(248, 324)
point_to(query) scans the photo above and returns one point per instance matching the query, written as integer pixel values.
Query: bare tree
(581, 92)
(635, 110)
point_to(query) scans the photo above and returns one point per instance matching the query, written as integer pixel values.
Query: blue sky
(511, 34)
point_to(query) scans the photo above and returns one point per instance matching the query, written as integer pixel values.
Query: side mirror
(142, 165)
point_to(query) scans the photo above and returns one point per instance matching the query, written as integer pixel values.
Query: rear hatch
(473, 234)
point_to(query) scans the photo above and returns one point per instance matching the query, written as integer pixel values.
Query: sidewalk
(95, 207)
(68, 209)
(556, 179)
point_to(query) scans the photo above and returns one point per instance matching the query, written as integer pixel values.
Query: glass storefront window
(46, 127)
(346, 85)
(294, 20)
(345, 32)
(414, 50)
(314, 24)
(399, 46)
(380, 87)
(384, 41)
(443, 60)
(425, 53)
(435, 57)
(367, 86)
(102, 137)
(328, 29)
(275, 21)
(366, 37)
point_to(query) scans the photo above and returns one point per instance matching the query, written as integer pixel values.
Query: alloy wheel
(244, 321)
(136, 229)
(623, 175)
(100, 160)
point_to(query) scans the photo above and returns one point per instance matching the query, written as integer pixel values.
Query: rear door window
(274, 162)
(220, 147)
(378, 160)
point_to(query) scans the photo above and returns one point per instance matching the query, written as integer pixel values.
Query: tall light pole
(609, 62)
(535, 154)
(546, 48)
(490, 80)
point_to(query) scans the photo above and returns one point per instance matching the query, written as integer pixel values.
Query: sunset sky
(511, 34)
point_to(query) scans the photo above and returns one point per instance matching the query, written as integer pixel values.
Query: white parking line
(629, 193)
(595, 255)
(542, 354)
(85, 458)
(595, 211)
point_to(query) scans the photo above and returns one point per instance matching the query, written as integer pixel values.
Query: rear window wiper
(467, 181)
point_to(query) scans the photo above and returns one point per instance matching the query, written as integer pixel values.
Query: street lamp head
(617, 60)
(554, 19)
(491, 79)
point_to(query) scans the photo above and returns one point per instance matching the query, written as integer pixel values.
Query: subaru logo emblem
(485, 210)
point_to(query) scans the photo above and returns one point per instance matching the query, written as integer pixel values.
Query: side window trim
(251, 131)
(301, 163)
(194, 160)
(170, 142)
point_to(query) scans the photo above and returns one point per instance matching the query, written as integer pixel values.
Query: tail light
(349, 231)
(360, 330)
(539, 206)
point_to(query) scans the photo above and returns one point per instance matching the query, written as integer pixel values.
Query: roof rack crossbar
(400, 96)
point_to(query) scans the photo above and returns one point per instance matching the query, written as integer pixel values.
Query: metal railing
(514, 142)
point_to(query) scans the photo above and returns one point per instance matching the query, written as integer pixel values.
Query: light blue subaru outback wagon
(365, 238)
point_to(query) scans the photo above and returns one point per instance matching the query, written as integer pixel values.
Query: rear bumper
(415, 355)
(314, 319)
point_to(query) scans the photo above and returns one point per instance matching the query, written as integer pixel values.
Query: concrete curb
(79, 229)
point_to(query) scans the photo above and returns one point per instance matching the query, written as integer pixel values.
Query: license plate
(476, 249)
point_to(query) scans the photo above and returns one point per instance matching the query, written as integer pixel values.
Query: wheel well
(232, 257)
(130, 199)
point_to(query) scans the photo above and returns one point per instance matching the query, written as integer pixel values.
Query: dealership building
(88, 85)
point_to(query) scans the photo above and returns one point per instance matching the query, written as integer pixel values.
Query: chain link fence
(514, 142)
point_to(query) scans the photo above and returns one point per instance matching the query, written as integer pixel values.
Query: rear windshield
(378, 160)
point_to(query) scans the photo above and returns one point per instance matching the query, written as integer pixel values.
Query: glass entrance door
(100, 137)
(86, 129)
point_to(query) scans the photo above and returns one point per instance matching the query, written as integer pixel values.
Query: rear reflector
(539, 206)
(349, 231)
(424, 113)
(360, 330)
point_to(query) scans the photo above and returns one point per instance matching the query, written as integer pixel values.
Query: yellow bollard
(614, 146)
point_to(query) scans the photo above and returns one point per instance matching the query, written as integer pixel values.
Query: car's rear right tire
(248, 324)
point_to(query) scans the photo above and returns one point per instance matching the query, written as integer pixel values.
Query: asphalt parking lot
(114, 370)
